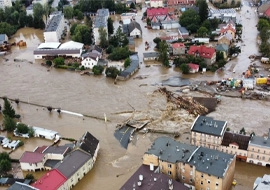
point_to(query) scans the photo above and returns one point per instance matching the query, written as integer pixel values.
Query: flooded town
(153, 125)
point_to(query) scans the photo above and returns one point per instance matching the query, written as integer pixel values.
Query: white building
(45, 133)
(5, 3)
(156, 3)
(54, 29)
(89, 60)
(100, 22)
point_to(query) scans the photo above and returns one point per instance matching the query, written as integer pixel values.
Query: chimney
(269, 133)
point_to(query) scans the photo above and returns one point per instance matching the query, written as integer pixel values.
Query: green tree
(68, 12)
(190, 17)
(22, 128)
(110, 25)
(72, 28)
(9, 123)
(202, 31)
(262, 23)
(7, 29)
(163, 52)
(203, 9)
(127, 62)
(242, 131)
(80, 15)
(29, 176)
(103, 37)
(5, 166)
(4, 156)
(119, 53)
(109, 49)
(59, 61)
(157, 41)
(31, 132)
(8, 109)
(88, 21)
(98, 69)
(38, 11)
(112, 72)
(119, 39)
(82, 33)
(46, 11)
(184, 68)
(132, 6)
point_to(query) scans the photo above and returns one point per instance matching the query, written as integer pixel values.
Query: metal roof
(208, 125)
(100, 21)
(260, 141)
(103, 12)
(134, 65)
(54, 52)
(53, 23)
(71, 45)
(150, 54)
(264, 183)
(49, 45)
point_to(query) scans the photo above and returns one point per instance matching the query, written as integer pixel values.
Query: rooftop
(241, 140)
(167, 149)
(88, 143)
(56, 150)
(260, 141)
(52, 180)
(132, 67)
(145, 179)
(211, 161)
(208, 125)
(18, 185)
(150, 54)
(31, 157)
(49, 45)
(71, 45)
(264, 183)
(103, 12)
(100, 22)
(53, 23)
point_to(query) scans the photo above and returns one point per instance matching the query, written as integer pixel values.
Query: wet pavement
(96, 95)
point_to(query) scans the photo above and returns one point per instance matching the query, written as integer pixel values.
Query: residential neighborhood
(134, 94)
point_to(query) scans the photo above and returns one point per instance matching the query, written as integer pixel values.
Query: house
(178, 48)
(89, 60)
(180, 2)
(224, 49)
(170, 38)
(160, 11)
(100, 21)
(224, 14)
(258, 148)
(150, 56)
(133, 29)
(3, 38)
(233, 143)
(127, 16)
(183, 32)
(226, 39)
(156, 3)
(32, 161)
(193, 68)
(208, 132)
(197, 167)
(146, 178)
(5, 3)
(131, 69)
(207, 53)
(263, 8)
(54, 29)
(18, 185)
(52, 180)
(229, 28)
(262, 183)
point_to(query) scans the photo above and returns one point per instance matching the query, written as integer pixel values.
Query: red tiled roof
(193, 66)
(157, 11)
(204, 52)
(267, 13)
(178, 45)
(228, 27)
(31, 157)
(52, 180)
(40, 149)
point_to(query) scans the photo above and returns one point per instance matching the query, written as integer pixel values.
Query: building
(193, 68)
(224, 48)
(258, 150)
(224, 14)
(208, 132)
(18, 185)
(196, 167)
(52, 180)
(100, 21)
(89, 60)
(180, 2)
(46, 133)
(3, 38)
(133, 29)
(5, 3)
(42, 2)
(32, 161)
(129, 16)
(207, 53)
(226, 39)
(183, 32)
(54, 29)
(228, 28)
(233, 143)
(150, 56)
(156, 3)
(146, 178)
(152, 12)
(262, 183)
(178, 48)
(131, 69)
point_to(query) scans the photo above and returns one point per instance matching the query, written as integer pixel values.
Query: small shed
(193, 68)
(248, 83)
(150, 56)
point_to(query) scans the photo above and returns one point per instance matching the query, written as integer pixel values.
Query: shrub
(98, 69)
(112, 72)
(59, 61)
(49, 63)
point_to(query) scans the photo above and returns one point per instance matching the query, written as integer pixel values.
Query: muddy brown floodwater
(98, 95)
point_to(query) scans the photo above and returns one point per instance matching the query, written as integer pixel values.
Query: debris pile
(187, 103)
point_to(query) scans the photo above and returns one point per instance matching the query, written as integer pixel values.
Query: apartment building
(54, 29)
(100, 21)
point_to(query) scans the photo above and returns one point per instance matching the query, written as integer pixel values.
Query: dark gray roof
(241, 140)
(172, 151)
(57, 150)
(53, 23)
(100, 22)
(103, 12)
(183, 30)
(125, 29)
(211, 161)
(88, 143)
(150, 54)
(132, 25)
(131, 41)
(2, 37)
(51, 163)
(21, 186)
(97, 48)
(208, 125)
(222, 47)
(151, 181)
(90, 54)
(260, 141)
(72, 163)
(54, 52)
(134, 65)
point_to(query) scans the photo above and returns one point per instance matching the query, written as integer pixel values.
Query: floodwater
(99, 96)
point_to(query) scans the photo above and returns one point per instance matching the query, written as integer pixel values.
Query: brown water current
(98, 95)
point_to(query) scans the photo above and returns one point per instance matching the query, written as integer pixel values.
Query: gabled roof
(207, 125)
(21, 186)
(31, 157)
(40, 149)
(157, 11)
(52, 180)
(151, 54)
(230, 138)
(88, 143)
(72, 163)
(133, 25)
(193, 66)
(92, 55)
(267, 12)
(183, 30)
(57, 150)
(134, 65)
(205, 52)
(222, 47)
(151, 181)
(260, 141)
(228, 27)
(99, 49)
(178, 45)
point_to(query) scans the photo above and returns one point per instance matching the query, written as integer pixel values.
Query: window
(191, 180)
(208, 181)
(169, 173)
(258, 150)
(183, 177)
(209, 175)
(169, 166)
(201, 182)
(202, 175)
(216, 183)
(263, 157)
(258, 156)
(191, 173)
